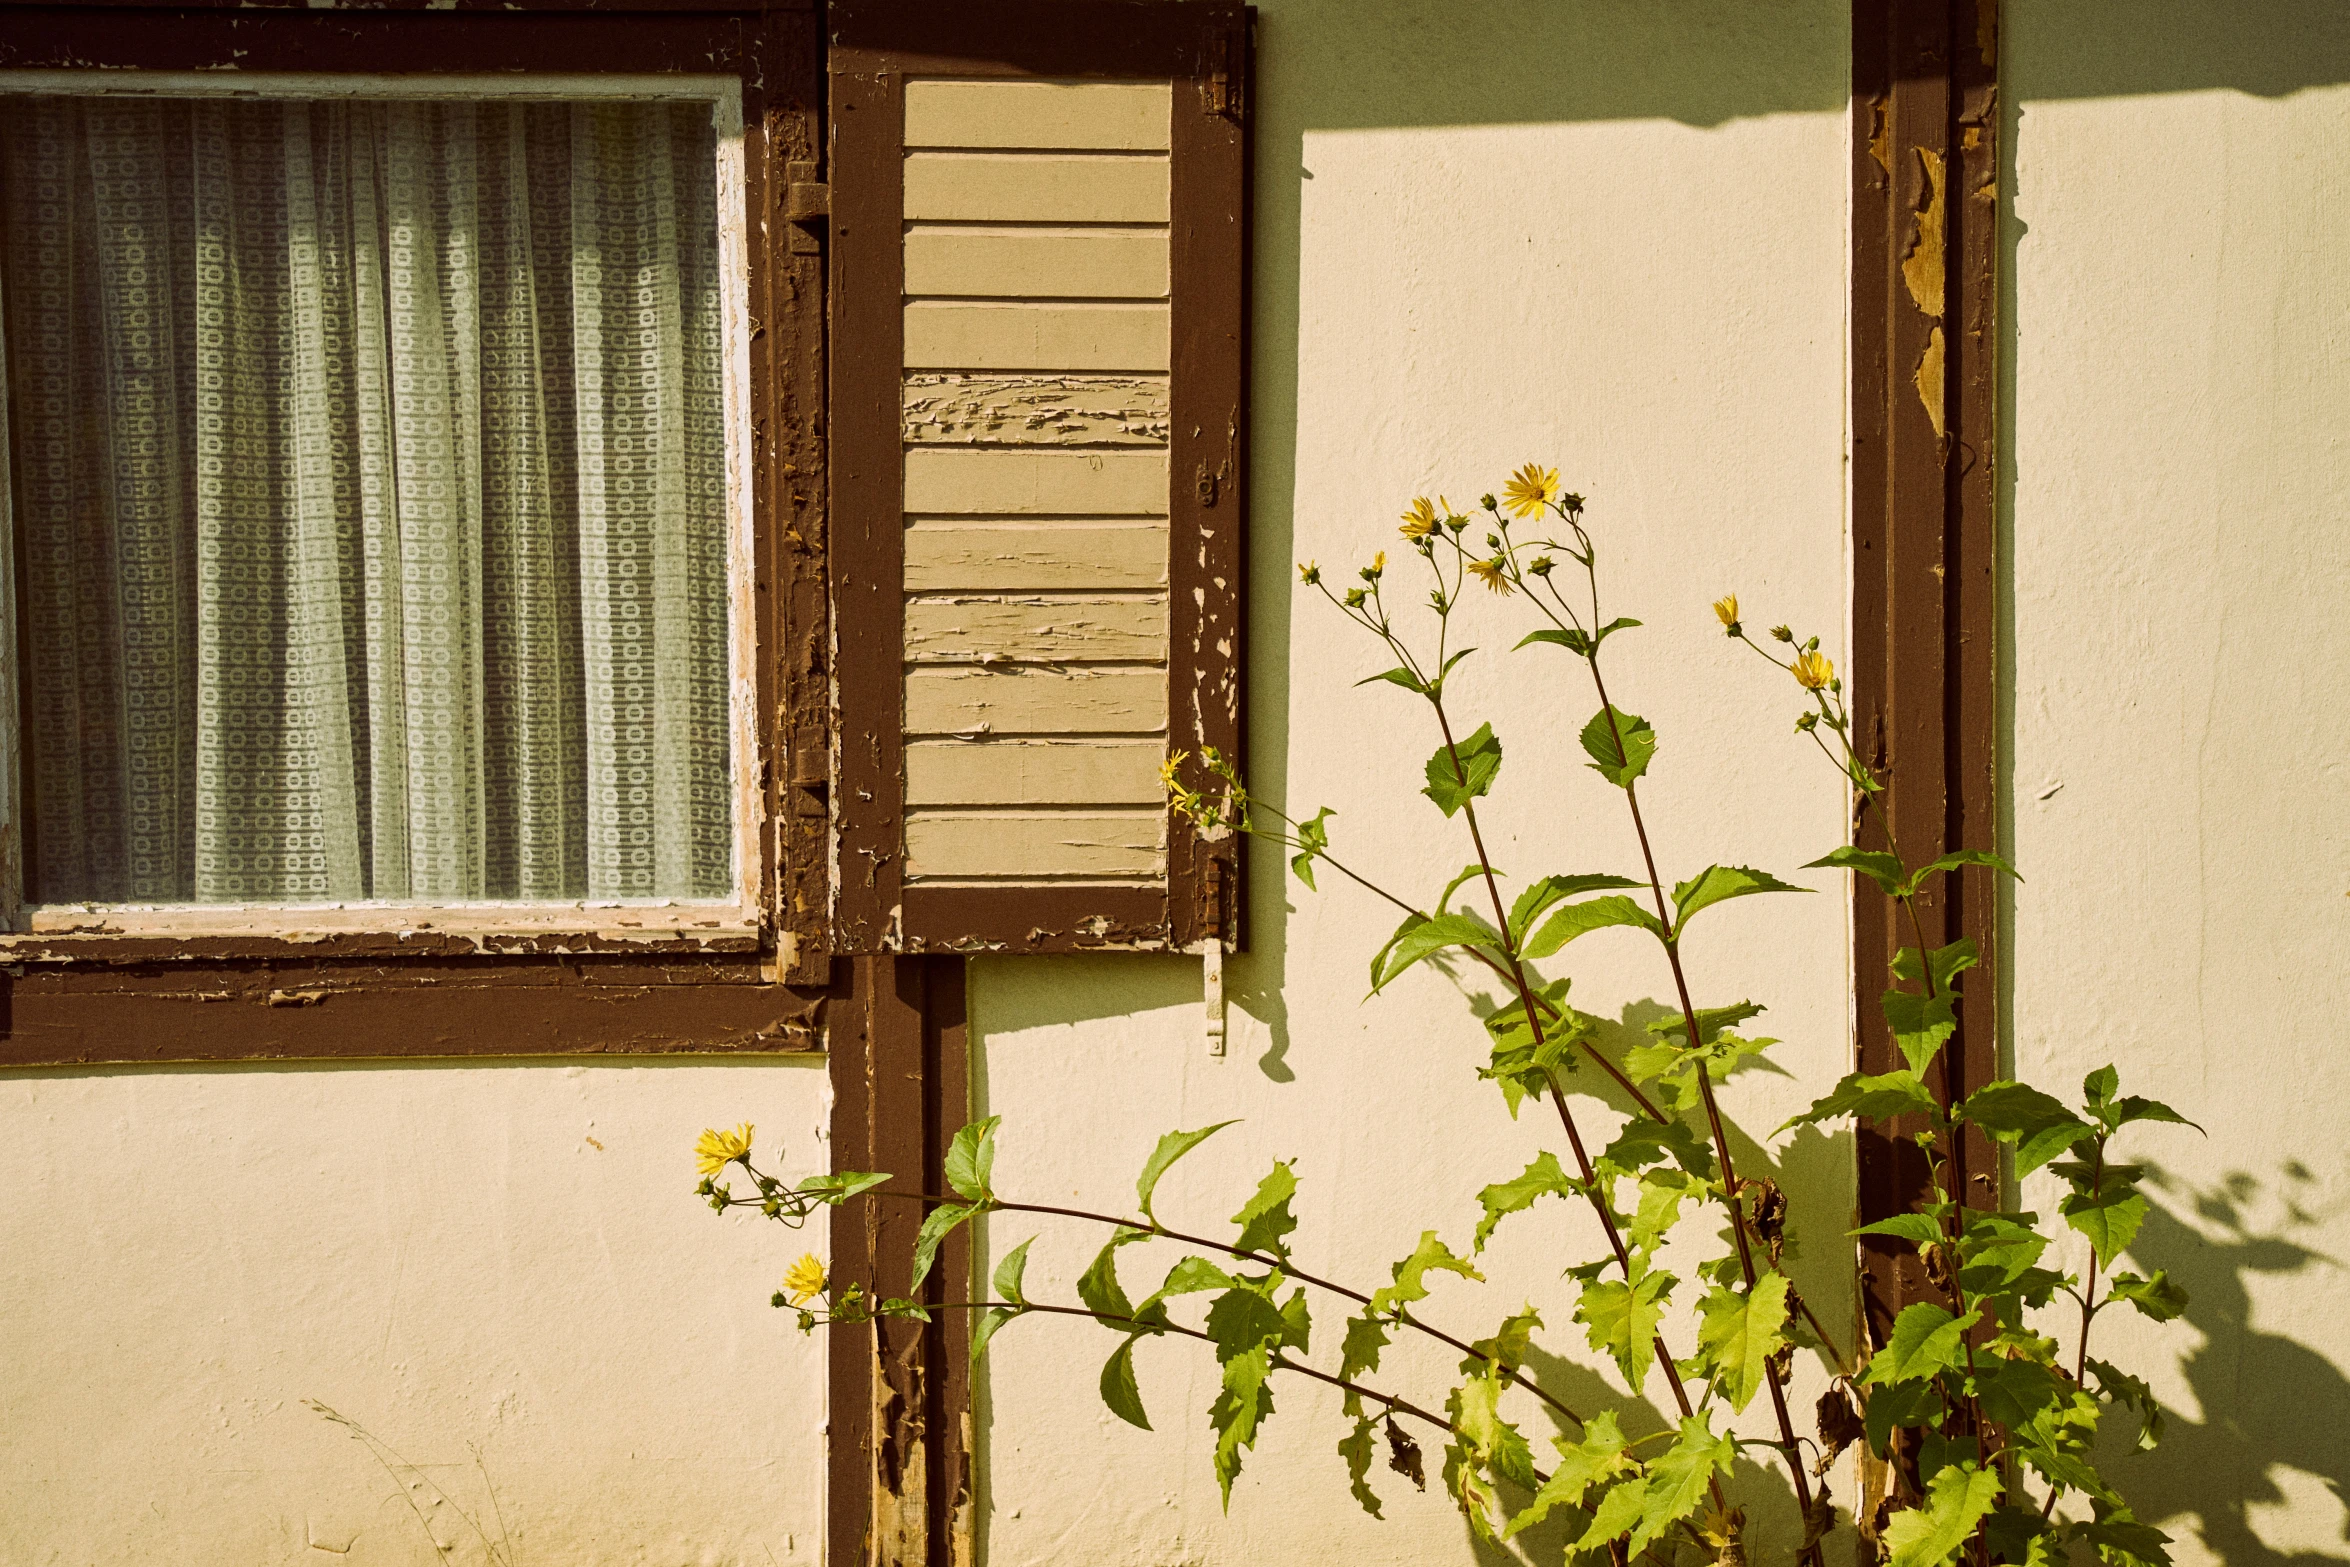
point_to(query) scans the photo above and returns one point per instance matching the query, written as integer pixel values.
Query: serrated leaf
(1189, 1276)
(1009, 1271)
(1550, 890)
(1118, 1386)
(1542, 1178)
(2037, 1126)
(1998, 1253)
(1617, 1514)
(1494, 1444)
(1948, 963)
(1956, 1501)
(1620, 1320)
(1679, 1478)
(1920, 1024)
(1430, 1256)
(1240, 1408)
(1718, 884)
(1897, 1404)
(1313, 839)
(2121, 1540)
(1355, 1448)
(984, 1329)
(1243, 1319)
(2014, 1392)
(1580, 919)
(1643, 1142)
(1878, 866)
(1596, 1460)
(1464, 771)
(1620, 745)
(1265, 1220)
(2022, 1538)
(970, 1159)
(1875, 1098)
(1738, 1332)
(2098, 1088)
(2109, 1219)
(1418, 938)
(2132, 1108)
(1098, 1286)
(2156, 1297)
(1926, 1341)
(1915, 1228)
(1173, 1146)
(1365, 1337)
(936, 1227)
(2118, 1386)
(1952, 861)
(1653, 1220)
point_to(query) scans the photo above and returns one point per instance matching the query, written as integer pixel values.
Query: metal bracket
(807, 206)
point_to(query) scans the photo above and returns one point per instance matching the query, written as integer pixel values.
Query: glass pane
(370, 499)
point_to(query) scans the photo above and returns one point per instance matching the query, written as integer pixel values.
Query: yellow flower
(1813, 670)
(1167, 770)
(1420, 520)
(1726, 611)
(1490, 573)
(804, 1280)
(1378, 563)
(1531, 489)
(716, 1149)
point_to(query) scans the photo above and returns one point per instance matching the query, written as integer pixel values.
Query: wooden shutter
(1038, 368)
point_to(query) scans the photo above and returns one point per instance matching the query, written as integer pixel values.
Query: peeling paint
(1921, 269)
(1931, 382)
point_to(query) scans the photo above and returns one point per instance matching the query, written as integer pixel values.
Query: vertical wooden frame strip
(1924, 305)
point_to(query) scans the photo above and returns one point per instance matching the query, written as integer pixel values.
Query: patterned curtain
(370, 493)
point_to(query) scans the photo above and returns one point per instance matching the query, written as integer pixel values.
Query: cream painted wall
(2180, 762)
(502, 1259)
(1611, 238)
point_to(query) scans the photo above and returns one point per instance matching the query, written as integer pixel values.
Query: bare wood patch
(952, 701)
(1040, 410)
(1034, 629)
(1038, 557)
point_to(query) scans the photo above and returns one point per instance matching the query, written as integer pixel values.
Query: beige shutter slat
(1041, 557)
(1029, 772)
(1030, 187)
(1035, 629)
(950, 407)
(1035, 846)
(1120, 116)
(948, 701)
(946, 481)
(1046, 264)
(952, 336)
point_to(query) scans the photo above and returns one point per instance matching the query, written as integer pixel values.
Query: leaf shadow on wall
(2269, 1403)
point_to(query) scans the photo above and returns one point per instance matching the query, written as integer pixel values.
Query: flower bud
(1309, 573)
(1540, 565)
(1485, 502)
(1807, 723)
(1782, 634)
(1355, 597)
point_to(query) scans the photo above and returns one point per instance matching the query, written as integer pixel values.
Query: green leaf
(2123, 1541)
(1365, 1337)
(2118, 1386)
(1956, 1501)
(940, 1223)
(1580, 919)
(1952, 861)
(1738, 1332)
(1460, 773)
(1265, 1220)
(1493, 1443)
(1920, 1024)
(1643, 1142)
(1876, 1098)
(984, 1328)
(1897, 1405)
(1710, 1021)
(1925, 1342)
(1574, 639)
(1596, 1460)
(1420, 938)
(1878, 866)
(1659, 1211)
(2156, 1297)
(1620, 751)
(1171, 1147)
(1189, 1276)
(1008, 1272)
(1679, 1478)
(1535, 900)
(970, 1159)
(1620, 1319)
(1468, 872)
(1916, 1228)
(1240, 1408)
(1431, 1255)
(1508, 1345)
(2014, 1392)
(1398, 676)
(1243, 1319)
(1949, 963)
(1999, 1253)
(1617, 1515)
(1355, 1448)
(1542, 1178)
(2021, 1537)
(840, 1186)
(1098, 1286)
(2132, 1108)
(2037, 1126)
(1314, 838)
(2109, 1219)
(1118, 1387)
(1718, 884)
(2098, 1089)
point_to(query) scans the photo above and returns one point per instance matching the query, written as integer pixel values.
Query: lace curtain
(370, 495)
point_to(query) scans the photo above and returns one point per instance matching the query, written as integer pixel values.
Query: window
(379, 531)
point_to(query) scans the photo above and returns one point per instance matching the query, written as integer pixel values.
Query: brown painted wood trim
(899, 1475)
(1203, 48)
(1924, 314)
(112, 998)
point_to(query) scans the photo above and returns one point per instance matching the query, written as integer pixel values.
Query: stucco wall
(2180, 229)
(500, 1261)
(1611, 238)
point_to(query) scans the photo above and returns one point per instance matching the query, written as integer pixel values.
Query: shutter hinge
(1221, 95)
(807, 205)
(1207, 485)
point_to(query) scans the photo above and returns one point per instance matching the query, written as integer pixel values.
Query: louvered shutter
(1038, 376)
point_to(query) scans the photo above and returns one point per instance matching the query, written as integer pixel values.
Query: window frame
(434, 980)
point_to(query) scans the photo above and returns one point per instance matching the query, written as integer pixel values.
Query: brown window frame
(420, 991)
